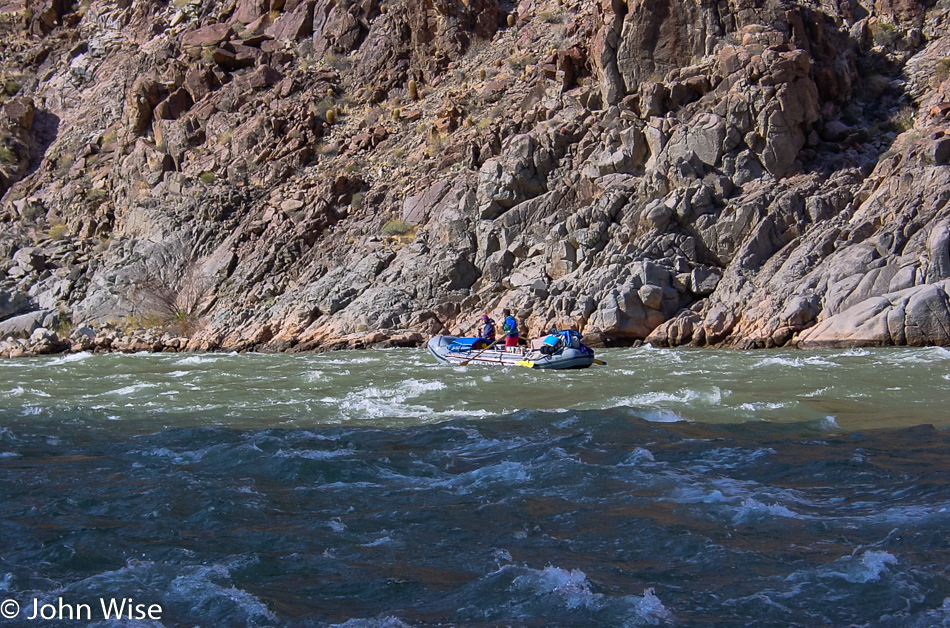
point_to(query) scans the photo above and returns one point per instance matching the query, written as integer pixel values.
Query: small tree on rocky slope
(167, 282)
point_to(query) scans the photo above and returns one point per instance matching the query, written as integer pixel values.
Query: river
(669, 487)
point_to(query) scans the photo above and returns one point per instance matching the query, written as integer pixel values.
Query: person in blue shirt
(486, 333)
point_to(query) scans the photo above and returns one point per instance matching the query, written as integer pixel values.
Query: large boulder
(917, 316)
(23, 325)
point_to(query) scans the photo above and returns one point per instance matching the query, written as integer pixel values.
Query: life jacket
(488, 331)
(510, 326)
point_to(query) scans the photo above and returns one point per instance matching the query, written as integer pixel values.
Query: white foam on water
(9, 454)
(796, 362)
(504, 472)
(178, 457)
(199, 587)
(684, 396)
(816, 393)
(376, 402)
(573, 590)
(752, 509)
(314, 376)
(650, 608)
(758, 406)
(377, 622)
(637, 457)
(128, 390)
(19, 390)
(660, 416)
(697, 495)
(69, 358)
(373, 402)
(381, 541)
(941, 353)
(670, 355)
(415, 387)
(196, 359)
(830, 423)
(345, 362)
(869, 567)
(309, 454)
(779, 361)
(571, 585)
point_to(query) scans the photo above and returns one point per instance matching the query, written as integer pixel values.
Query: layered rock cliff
(302, 174)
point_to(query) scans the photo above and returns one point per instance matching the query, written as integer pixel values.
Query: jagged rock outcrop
(313, 174)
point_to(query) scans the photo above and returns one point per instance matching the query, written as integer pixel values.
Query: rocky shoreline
(113, 339)
(295, 175)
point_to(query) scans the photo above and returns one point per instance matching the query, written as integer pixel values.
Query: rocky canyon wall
(311, 174)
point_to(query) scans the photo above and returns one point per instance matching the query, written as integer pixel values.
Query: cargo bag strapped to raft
(463, 345)
(550, 344)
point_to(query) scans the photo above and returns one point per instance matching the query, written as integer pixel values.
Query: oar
(600, 362)
(478, 354)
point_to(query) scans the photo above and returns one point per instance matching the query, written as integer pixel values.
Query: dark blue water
(570, 518)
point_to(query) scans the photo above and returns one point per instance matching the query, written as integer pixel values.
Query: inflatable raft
(561, 350)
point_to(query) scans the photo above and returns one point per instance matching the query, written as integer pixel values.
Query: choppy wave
(571, 518)
(383, 490)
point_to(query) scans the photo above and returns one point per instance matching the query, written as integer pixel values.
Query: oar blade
(526, 363)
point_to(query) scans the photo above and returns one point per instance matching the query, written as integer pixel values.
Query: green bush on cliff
(903, 119)
(396, 227)
(942, 70)
(883, 33)
(58, 232)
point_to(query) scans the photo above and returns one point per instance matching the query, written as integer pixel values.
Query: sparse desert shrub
(903, 119)
(58, 232)
(168, 284)
(520, 62)
(396, 227)
(942, 70)
(883, 33)
(96, 195)
(206, 177)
